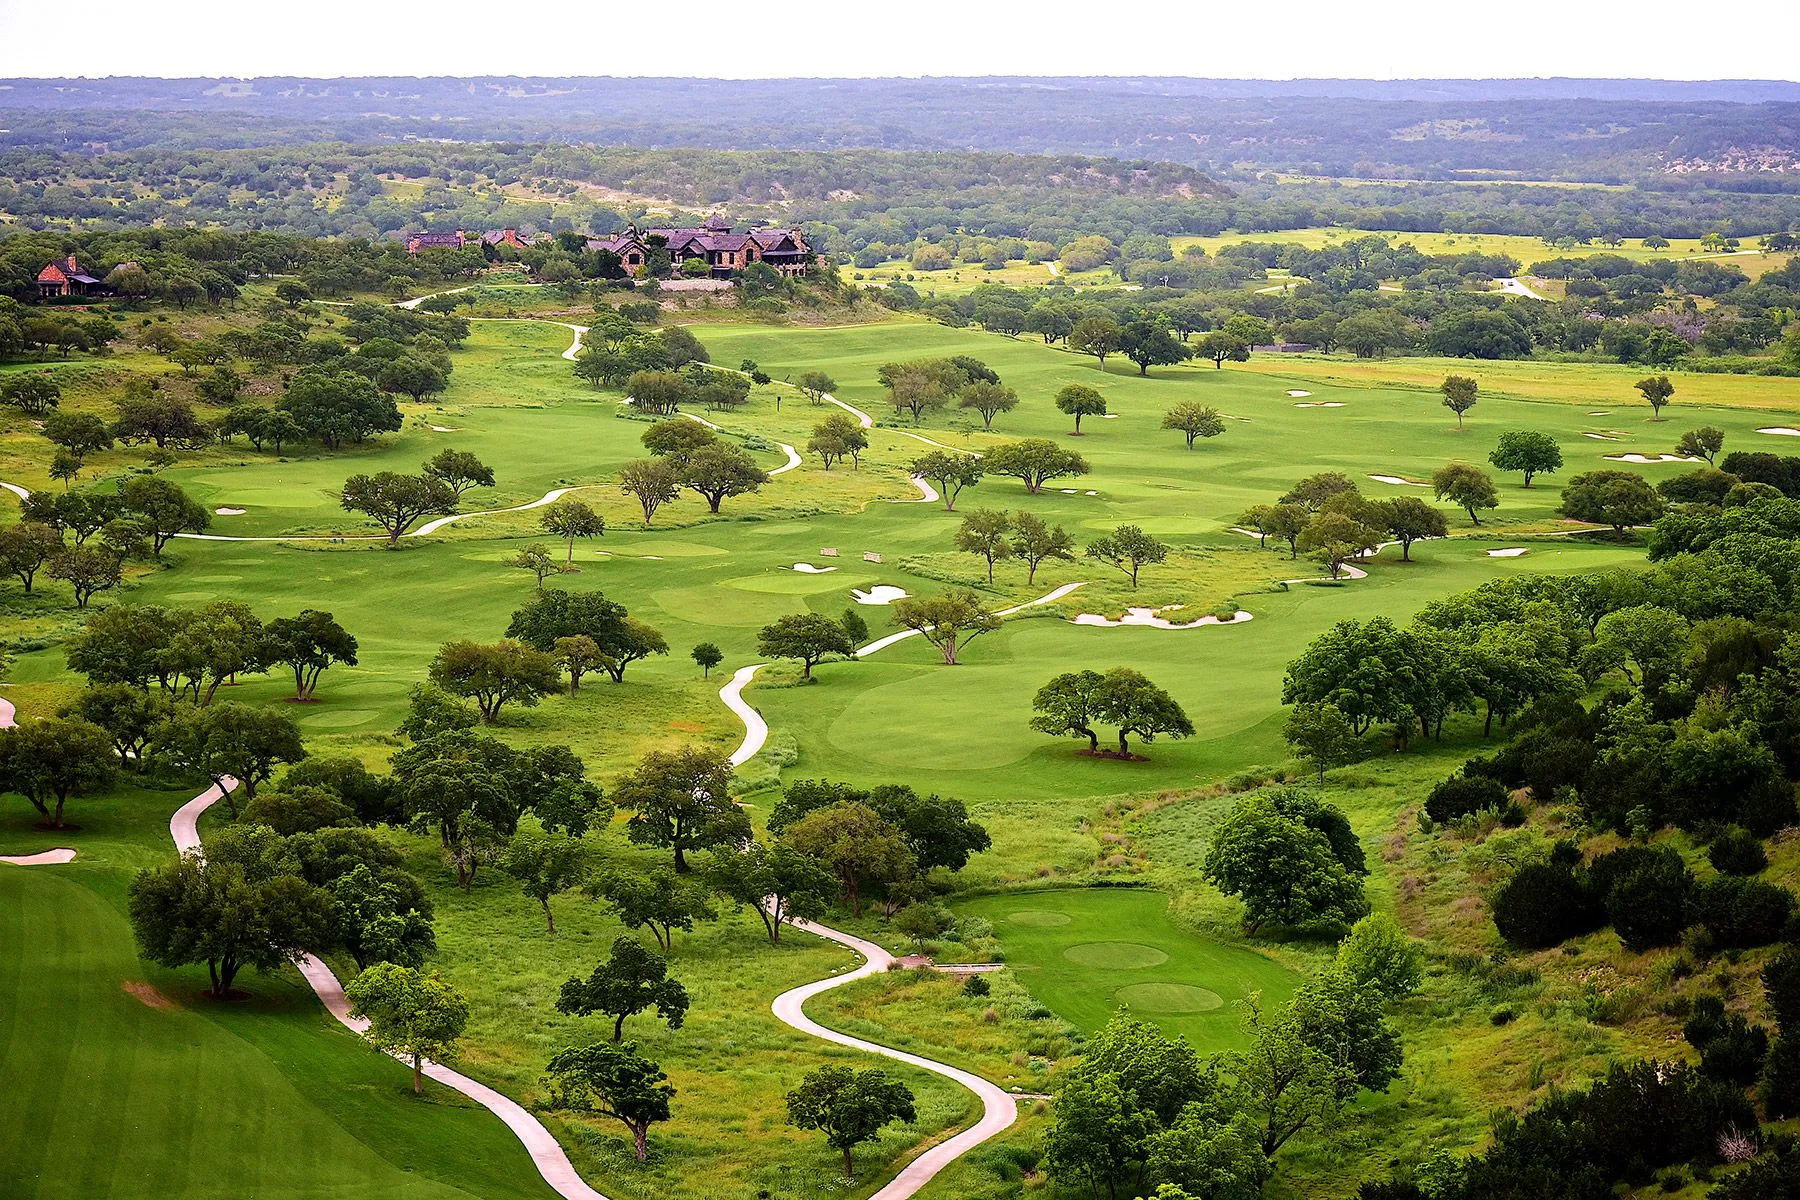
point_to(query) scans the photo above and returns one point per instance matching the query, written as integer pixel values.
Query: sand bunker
(1602, 413)
(651, 557)
(1297, 392)
(1781, 431)
(1320, 404)
(443, 429)
(881, 593)
(1509, 552)
(1397, 481)
(1652, 458)
(44, 858)
(229, 512)
(1090, 493)
(1602, 437)
(809, 569)
(1150, 617)
(1109, 416)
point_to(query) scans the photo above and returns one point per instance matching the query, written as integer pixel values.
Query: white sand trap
(444, 429)
(651, 557)
(47, 858)
(1509, 552)
(1397, 481)
(1149, 617)
(1780, 431)
(881, 593)
(1602, 413)
(1296, 392)
(1109, 416)
(1321, 404)
(229, 512)
(1069, 491)
(1602, 437)
(1652, 458)
(809, 569)
(1090, 493)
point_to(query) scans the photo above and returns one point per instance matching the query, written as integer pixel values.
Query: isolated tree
(1378, 956)
(1658, 391)
(681, 800)
(459, 470)
(578, 655)
(718, 471)
(1071, 704)
(948, 471)
(631, 641)
(1035, 543)
(1704, 442)
(307, 644)
(1283, 869)
(338, 406)
(570, 519)
(1466, 486)
(537, 560)
(1149, 344)
(1194, 420)
(1222, 346)
(837, 437)
(984, 532)
(411, 1014)
(1035, 461)
(809, 637)
(816, 385)
(1078, 401)
(849, 1107)
(397, 501)
(633, 979)
(1320, 734)
(1460, 394)
(167, 422)
(26, 547)
(1137, 706)
(240, 905)
(661, 899)
(494, 674)
(163, 509)
(706, 656)
(1615, 498)
(81, 434)
(778, 881)
(1409, 519)
(1096, 335)
(988, 399)
(1129, 549)
(230, 741)
(33, 393)
(49, 761)
(652, 481)
(615, 1081)
(677, 439)
(546, 864)
(949, 621)
(1528, 450)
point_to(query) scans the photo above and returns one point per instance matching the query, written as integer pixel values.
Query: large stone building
(66, 277)
(724, 252)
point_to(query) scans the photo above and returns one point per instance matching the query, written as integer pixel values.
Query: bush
(1780, 1086)
(1544, 904)
(975, 987)
(1737, 851)
(1740, 913)
(1647, 893)
(1731, 1049)
(1460, 795)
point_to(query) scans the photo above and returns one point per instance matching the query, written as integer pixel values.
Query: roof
(65, 270)
(616, 243)
(435, 240)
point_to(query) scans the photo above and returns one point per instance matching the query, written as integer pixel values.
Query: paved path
(793, 455)
(756, 730)
(1000, 1108)
(1518, 287)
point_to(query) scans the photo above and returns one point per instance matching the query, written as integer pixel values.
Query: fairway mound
(1296, 392)
(1398, 481)
(1509, 552)
(1039, 918)
(1168, 999)
(1652, 458)
(809, 569)
(1780, 431)
(43, 858)
(1320, 404)
(145, 994)
(881, 593)
(1149, 617)
(230, 512)
(1116, 956)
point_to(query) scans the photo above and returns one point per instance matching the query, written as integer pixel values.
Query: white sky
(1292, 39)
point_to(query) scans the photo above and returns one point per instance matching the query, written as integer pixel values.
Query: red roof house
(66, 277)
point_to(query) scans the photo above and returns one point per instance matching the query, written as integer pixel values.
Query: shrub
(1737, 851)
(1741, 913)
(1544, 904)
(975, 987)
(1460, 795)
(1648, 894)
(1731, 1049)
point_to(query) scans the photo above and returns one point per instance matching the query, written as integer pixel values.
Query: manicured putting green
(1085, 953)
(1116, 956)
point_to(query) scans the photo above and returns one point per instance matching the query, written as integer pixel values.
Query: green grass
(1088, 953)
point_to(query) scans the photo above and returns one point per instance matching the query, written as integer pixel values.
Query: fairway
(1086, 953)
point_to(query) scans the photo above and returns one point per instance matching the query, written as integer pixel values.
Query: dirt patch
(1114, 755)
(686, 727)
(145, 994)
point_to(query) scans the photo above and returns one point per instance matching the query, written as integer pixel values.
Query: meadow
(324, 1110)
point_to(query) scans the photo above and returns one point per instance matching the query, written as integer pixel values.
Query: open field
(1526, 249)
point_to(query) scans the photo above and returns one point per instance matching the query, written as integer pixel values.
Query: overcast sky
(1293, 39)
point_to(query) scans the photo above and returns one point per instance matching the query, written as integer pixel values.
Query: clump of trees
(1071, 704)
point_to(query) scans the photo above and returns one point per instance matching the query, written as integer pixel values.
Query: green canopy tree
(949, 620)
(613, 1080)
(681, 801)
(1129, 549)
(809, 637)
(546, 864)
(949, 472)
(570, 519)
(1466, 486)
(1530, 451)
(459, 471)
(307, 644)
(396, 502)
(1282, 869)
(849, 1107)
(631, 980)
(49, 761)
(411, 1014)
(1460, 394)
(1194, 420)
(1078, 400)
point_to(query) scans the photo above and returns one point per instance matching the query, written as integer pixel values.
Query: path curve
(1000, 1108)
(919, 437)
(546, 1153)
(793, 455)
(756, 730)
